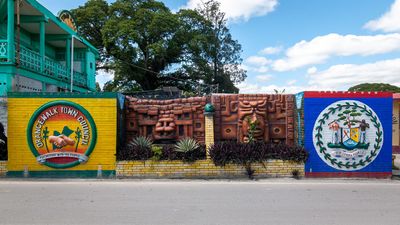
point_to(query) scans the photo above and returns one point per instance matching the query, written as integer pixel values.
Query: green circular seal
(61, 134)
(348, 135)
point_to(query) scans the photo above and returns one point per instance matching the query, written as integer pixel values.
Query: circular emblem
(61, 134)
(68, 19)
(348, 135)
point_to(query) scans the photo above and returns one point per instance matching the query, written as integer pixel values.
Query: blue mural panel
(348, 133)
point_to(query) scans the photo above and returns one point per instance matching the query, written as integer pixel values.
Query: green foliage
(252, 128)
(211, 54)
(139, 148)
(186, 145)
(98, 88)
(143, 41)
(170, 153)
(349, 116)
(90, 19)
(157, 152)
(223, 153)
(245, 154)
(141, 142)
(279, 92)
(147, 46)
(375, 87)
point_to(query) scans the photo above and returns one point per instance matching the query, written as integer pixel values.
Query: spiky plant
(186, 145)
(141, 142)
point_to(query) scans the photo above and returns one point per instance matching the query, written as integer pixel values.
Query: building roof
(54, 23)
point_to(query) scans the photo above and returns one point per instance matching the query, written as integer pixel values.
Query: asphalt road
(271, 201)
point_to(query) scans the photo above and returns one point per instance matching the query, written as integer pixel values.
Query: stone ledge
(204, 169)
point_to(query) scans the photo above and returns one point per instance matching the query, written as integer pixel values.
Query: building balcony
(38, 50)
(3, 49)
(31, 60)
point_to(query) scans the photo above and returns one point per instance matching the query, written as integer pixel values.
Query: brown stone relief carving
(273, 113)
(166, 120)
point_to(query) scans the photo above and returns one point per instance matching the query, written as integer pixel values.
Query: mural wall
(59, 134)
(348, 134)
(274, 115)
(165, 120)
(170, 120)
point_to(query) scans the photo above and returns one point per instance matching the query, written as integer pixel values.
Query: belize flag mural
(348, 134)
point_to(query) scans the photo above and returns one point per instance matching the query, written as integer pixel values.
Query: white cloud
(389, 22)
(261, 69)
(321, 48)
(103, 76)
(257, 61)
(257, 64)
(264, 78)
(270, 50)
(241, 9)
(291, 82)
(270, 89)
(341, 77)
(312, 70)
(245, 87)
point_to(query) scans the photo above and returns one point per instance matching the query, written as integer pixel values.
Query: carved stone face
(165, 127)
(252, 112)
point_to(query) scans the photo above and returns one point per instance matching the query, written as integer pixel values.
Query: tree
(147, 46)
(211, 53)
(143, 33)
(98, 88)
(349, 117)
(90, 19)
(375, 87)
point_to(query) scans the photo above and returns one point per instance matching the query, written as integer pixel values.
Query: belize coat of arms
(348, 135)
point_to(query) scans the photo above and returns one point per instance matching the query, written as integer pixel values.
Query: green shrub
(141, 142)
(170, 153)
(186, 145)
(160, 152)
(138, 148)
(245, 154)
(157, 152)
(223, 153)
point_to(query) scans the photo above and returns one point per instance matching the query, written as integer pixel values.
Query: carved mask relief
(165, 120)
(253, 112)
(272, 115)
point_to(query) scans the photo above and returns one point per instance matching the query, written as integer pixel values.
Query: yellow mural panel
(77, 134)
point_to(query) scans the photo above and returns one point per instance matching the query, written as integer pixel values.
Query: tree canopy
(375, 87)
(147, 46)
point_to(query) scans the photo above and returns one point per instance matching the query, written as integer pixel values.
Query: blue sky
(306, 45)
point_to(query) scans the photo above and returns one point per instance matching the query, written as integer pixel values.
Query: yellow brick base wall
(203, 169)
(3, 168)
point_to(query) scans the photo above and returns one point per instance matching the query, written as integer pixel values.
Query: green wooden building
(41, 52)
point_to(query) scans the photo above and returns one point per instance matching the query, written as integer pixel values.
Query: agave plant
(141, 142)
(186, 145)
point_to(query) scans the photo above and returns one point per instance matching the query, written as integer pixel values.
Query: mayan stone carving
(272, 114)
(166, 120)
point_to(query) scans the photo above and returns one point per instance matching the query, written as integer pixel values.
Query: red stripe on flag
(346, 94)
